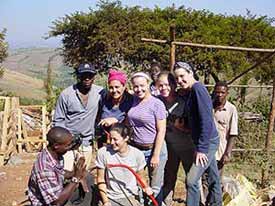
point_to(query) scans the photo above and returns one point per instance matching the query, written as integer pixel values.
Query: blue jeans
(196, 172)
(156, 175)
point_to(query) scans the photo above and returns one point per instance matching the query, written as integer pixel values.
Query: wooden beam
(31, 106)
(30, 140)
(259, 61)
(172, 47)
(154, 40)
(250, 150)
(234, 48)
(210, 46)
(244, 86)
(268, 141)
(19, 131)
(5, 124)
(44, 125)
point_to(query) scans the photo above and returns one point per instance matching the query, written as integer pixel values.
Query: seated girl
(117, 185)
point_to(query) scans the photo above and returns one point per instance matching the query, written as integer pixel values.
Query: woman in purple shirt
(148, 120)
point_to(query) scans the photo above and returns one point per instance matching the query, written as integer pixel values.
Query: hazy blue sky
(27, 21)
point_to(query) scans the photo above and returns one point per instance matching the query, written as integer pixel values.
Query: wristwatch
(75, 180)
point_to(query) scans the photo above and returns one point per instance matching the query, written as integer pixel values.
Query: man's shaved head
(58, 135)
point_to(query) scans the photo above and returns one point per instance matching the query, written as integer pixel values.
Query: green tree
(113, 33)
(3, 50)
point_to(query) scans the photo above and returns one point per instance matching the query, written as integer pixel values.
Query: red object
(136, 176)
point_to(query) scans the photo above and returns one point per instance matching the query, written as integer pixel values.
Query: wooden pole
(44, 126)
(269, 136)
(19, 131)
(172, 47)
(5, 124)
(258, 62)
(210, 46)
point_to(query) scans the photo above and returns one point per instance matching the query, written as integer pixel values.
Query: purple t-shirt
(143, 118)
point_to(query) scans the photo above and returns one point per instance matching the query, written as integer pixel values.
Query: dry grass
(22, 85)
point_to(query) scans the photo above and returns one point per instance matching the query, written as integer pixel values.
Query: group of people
(165, 120)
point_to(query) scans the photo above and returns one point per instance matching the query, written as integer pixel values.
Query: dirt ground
(14, 180)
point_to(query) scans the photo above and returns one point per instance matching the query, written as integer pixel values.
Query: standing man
(155, 70)
(77, 107)
(226, 118)
(46, 182)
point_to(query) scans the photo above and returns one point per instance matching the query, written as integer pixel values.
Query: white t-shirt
(118, 177)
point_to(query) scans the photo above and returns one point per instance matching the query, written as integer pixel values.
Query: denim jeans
(156, 175)
(196, 172)
(177, 153)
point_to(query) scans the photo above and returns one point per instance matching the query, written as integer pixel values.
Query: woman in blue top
(204, 134)
(114, 105)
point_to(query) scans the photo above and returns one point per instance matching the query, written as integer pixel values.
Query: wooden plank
(5, 124)
(268, 140)
(31, 106)
(211, 46)
(244, 86)
(172, 47)
(234, 48)
(32, 141)
(19, 131)
(44, 124)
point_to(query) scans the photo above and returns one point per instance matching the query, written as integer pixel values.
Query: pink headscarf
(117, 75)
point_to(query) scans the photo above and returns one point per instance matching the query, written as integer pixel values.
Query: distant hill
(22, 85)
(26, 70)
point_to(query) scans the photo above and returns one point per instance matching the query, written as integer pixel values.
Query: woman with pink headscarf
(115, 105)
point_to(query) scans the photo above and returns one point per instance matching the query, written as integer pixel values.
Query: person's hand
(107, 122)
(154, 161)
(84, 183)
(201, 158)
(148, 191)
(225, 158)
(107, 204)
(80, 168)
(179, 124)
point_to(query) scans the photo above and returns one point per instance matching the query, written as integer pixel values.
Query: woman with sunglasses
(204, 134)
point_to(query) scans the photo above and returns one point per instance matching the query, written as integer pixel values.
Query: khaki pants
(71, 157)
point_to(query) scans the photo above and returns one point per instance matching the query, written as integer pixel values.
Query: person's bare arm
(161, 129)
(101, 183)
(229, 146)
(147, 189)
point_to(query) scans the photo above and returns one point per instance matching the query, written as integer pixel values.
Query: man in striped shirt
(46, 181)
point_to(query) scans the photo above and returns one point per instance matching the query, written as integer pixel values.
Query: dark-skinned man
(46, 182)
(226, 118)
(76, 110)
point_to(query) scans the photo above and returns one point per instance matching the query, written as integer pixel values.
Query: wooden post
(269, 136)
(172, 47)
(44, 126)
(5, 124)
(19, 131)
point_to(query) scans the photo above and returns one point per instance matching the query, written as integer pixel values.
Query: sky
(28, 21)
